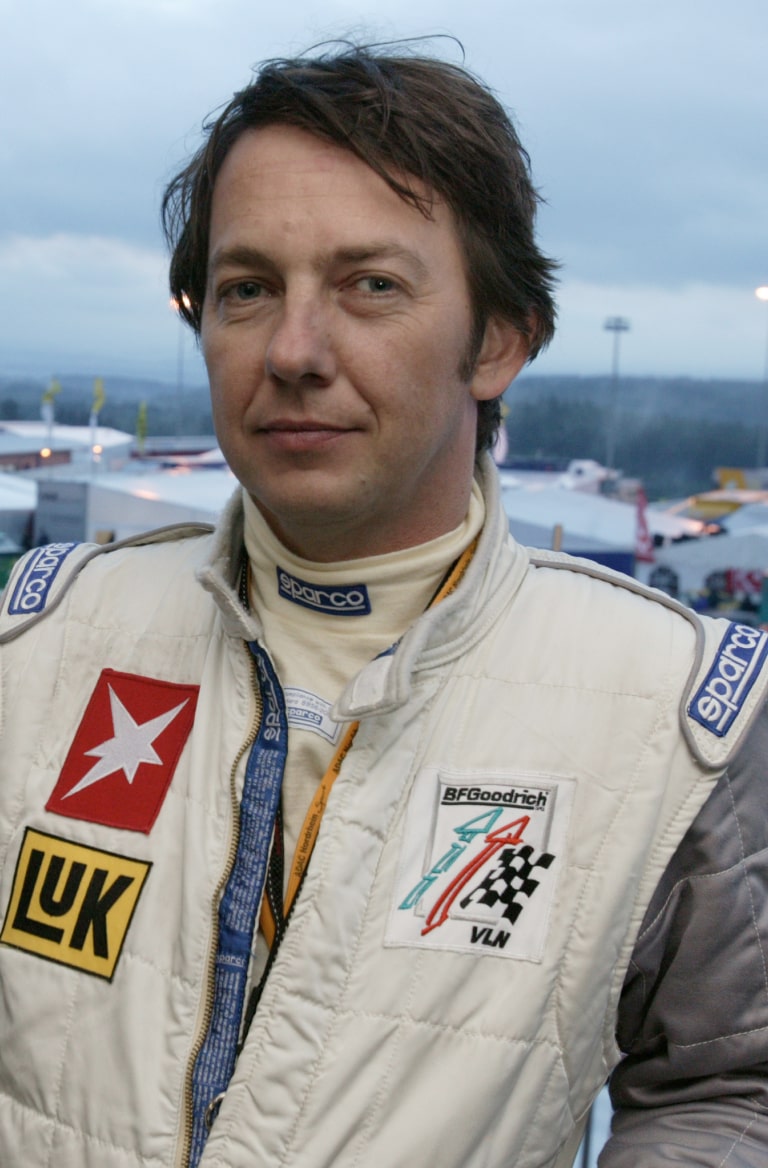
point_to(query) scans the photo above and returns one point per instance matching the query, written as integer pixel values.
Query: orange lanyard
(313, 818)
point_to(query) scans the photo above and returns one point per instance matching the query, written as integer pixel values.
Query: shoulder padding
(42, 578)
(727, 683)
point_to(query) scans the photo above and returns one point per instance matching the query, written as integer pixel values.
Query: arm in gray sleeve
(692, 1088)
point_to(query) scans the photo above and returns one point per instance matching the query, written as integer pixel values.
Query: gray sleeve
(692, 1087)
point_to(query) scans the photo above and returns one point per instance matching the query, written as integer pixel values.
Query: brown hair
(408, 118)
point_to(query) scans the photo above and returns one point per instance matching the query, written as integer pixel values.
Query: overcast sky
(646, 123)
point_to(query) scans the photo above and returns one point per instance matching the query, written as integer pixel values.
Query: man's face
(335, 320)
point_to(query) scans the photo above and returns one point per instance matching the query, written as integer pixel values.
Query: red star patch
(125, 751)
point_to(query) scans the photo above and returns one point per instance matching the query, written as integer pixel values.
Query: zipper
(186, 1133)
(257, 990)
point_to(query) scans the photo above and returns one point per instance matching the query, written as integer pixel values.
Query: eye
(377, 285)
(247, 290)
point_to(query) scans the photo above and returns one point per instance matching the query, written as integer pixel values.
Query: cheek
(226, 345)
(226, 389)
(217, 350)
(439, 354)
(401, 366)
(231, 372)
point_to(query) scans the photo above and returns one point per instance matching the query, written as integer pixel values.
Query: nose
(300, 349)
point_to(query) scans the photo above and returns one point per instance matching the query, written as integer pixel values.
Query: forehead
(271, 153)
(282, 177)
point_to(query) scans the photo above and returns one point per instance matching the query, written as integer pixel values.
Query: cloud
(695, 329)
(86, 303)
(645, 123)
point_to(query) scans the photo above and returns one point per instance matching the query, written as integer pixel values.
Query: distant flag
(141, 426)
(51, 392)
(643, 541)
(99, 396)
(48, 400)
(47, 405)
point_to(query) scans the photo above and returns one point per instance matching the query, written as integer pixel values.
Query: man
(353, 832)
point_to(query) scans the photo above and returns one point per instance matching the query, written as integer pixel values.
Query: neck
(336, 541)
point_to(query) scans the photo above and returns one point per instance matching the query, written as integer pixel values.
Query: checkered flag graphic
(511, 878)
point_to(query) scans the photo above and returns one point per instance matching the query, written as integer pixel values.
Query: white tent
(18, 500)
(113, 447)
(693, 560)
(750, 516)
(589, 522)
(127, 504)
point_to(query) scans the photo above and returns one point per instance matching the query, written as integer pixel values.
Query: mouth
(297, 436)
(299, 425)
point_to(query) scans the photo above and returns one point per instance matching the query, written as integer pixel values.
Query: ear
(503, 354)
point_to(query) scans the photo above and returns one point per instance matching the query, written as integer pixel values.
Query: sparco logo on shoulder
(337, 599)
(34, 584)
(726, 687)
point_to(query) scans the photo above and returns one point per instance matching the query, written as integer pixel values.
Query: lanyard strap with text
(259, 805)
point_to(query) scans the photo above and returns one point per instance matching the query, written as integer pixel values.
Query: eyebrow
(243, 256)
(238, 256)
(381, 250)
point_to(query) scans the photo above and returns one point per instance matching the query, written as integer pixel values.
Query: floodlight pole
(180, 352)
(762, 294)
(616, 325)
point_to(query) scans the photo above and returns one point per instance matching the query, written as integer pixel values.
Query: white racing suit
(449, 988)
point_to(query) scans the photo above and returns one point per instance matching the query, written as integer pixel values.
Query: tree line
(669, 432)
(671, 436)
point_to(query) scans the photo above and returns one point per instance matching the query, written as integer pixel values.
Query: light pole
(180, 352)
(762, 294)
(616, 325)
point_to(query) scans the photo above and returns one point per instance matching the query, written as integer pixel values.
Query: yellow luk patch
(72, 904)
